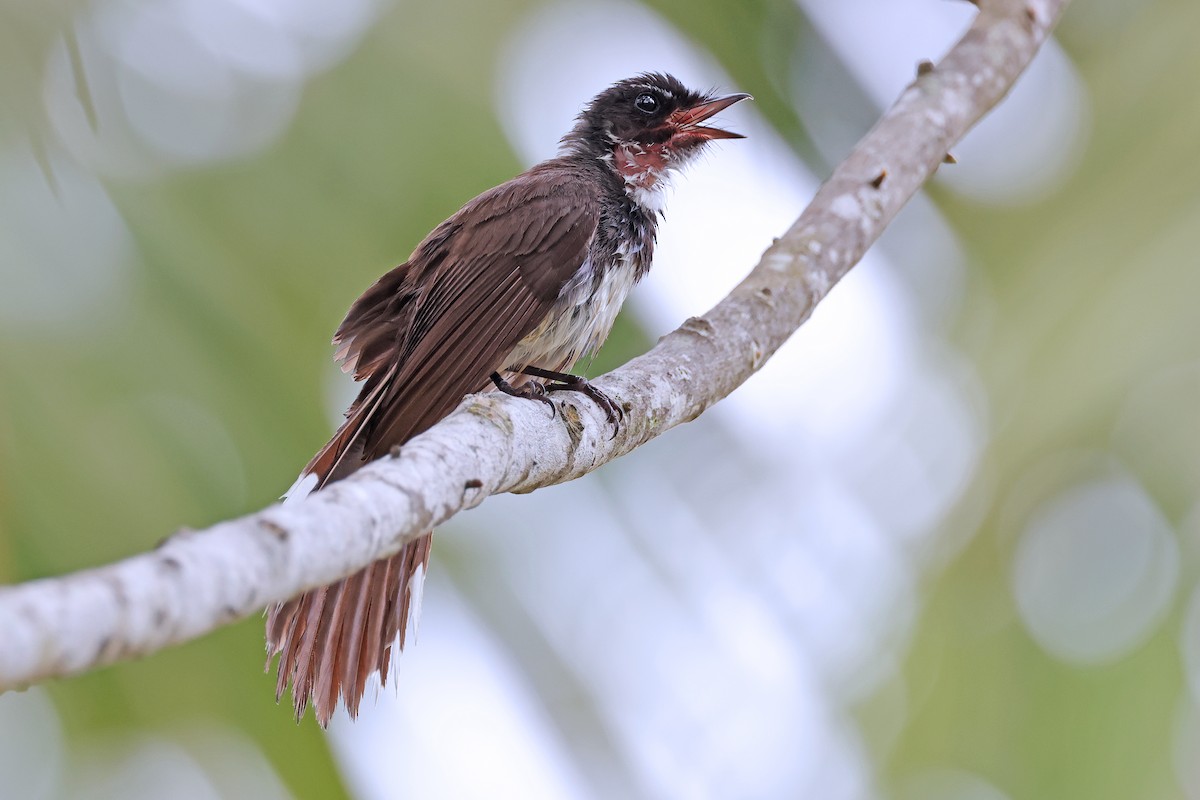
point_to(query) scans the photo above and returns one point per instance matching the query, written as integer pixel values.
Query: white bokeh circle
(1095, 570)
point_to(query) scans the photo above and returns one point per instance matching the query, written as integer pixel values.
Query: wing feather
(493, 284)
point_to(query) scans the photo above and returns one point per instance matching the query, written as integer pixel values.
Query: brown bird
(509, 292)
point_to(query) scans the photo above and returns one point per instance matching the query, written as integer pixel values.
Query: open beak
(688, 120)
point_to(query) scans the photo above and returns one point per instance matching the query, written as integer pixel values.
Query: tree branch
(198, 580)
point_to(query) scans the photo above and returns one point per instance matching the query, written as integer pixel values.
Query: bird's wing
(424, 335)
(474, 288)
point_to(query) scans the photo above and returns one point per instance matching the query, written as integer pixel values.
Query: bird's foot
(530, 391)
(564, 381)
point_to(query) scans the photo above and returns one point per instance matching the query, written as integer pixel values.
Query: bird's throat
(643, 168)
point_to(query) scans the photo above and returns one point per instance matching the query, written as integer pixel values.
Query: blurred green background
(192, 194)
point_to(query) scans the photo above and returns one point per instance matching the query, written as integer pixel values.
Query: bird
(505, 295)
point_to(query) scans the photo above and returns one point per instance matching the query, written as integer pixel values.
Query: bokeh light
(65, 258)
(1095, 571)
(183, 82)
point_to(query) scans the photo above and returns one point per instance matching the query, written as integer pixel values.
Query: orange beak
(687, 120)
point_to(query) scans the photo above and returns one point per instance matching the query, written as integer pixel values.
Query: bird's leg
(567, 382)
(530, 391)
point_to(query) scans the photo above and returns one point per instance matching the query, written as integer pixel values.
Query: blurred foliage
(243, 269)
(1094, 293)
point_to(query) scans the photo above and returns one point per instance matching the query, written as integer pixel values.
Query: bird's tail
(331, 639)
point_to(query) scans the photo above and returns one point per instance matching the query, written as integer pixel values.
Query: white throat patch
(651, 198)
(645, 172)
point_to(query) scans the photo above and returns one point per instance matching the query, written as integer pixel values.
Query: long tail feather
(329, 640)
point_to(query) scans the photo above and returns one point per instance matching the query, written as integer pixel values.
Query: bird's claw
(530, 391)
(612, 411)
(563, 381)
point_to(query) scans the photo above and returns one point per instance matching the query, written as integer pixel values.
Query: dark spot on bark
(879, 179)
(699, 326)
(180, 532)
(473, 483)
(170, 564)
(574, 425)
(275, 529)
(924, 67)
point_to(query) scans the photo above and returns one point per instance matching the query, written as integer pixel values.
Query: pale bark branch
(196, 581)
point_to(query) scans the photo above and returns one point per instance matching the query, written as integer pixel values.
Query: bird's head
(645, 127)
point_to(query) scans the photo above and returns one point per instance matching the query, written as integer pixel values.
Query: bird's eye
(646, 103)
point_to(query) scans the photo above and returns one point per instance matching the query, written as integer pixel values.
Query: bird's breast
(582, 317)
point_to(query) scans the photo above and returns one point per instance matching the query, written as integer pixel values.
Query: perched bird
(508, 293)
